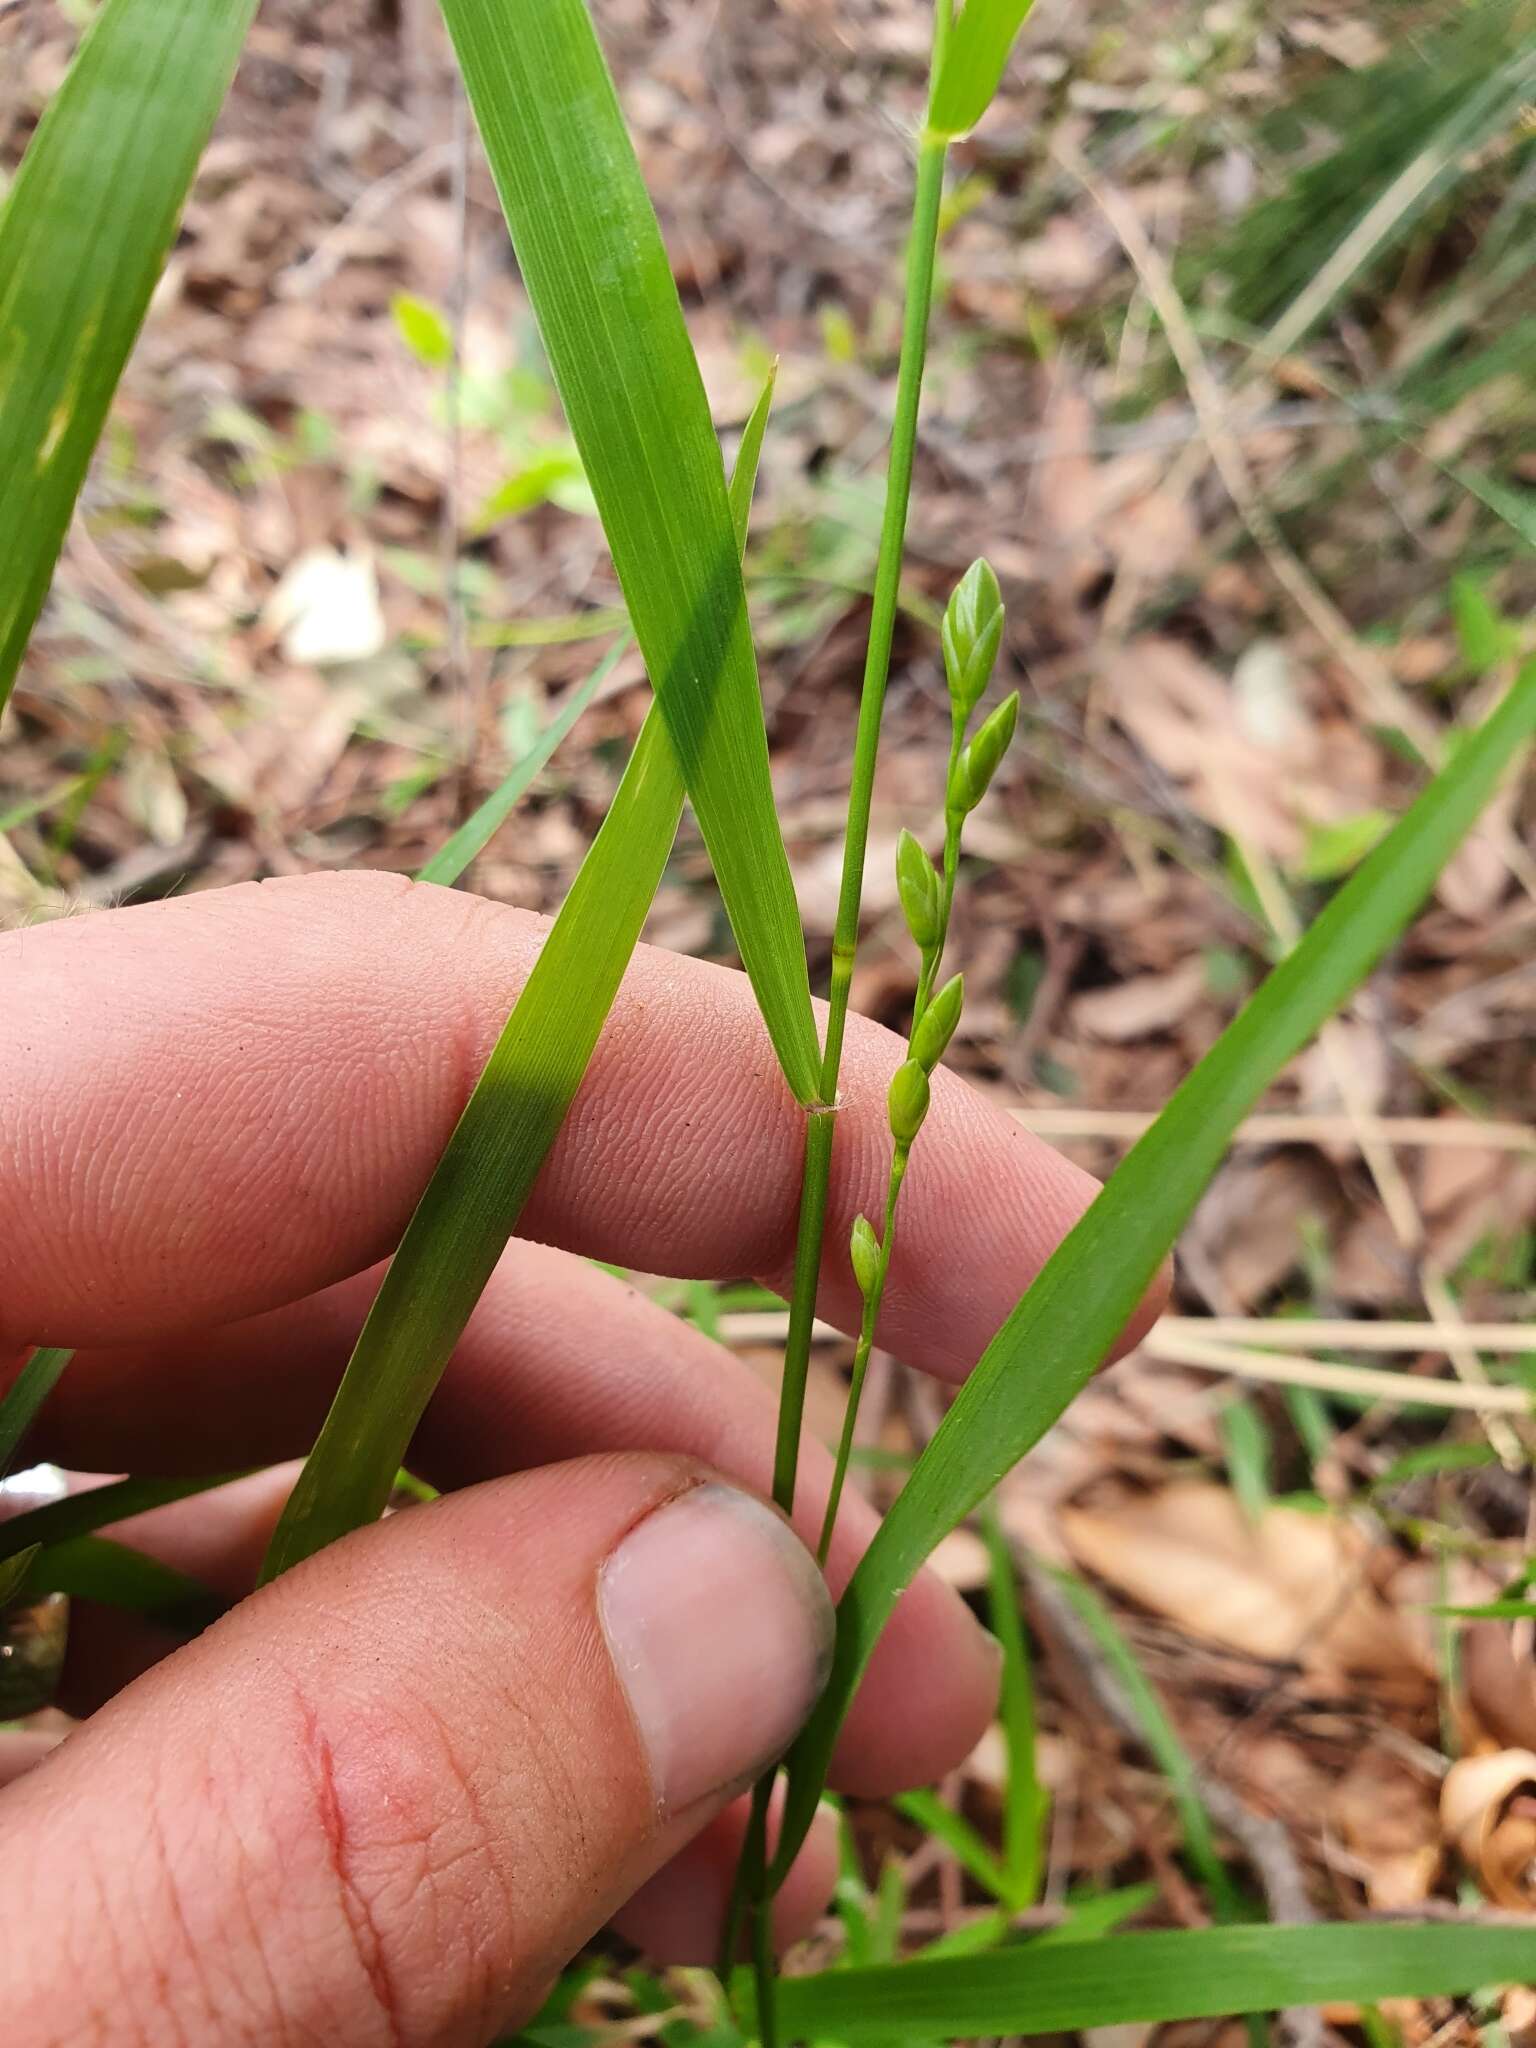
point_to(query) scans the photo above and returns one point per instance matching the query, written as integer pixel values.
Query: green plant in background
(104, 179)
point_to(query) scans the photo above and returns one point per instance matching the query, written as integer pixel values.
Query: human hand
(387, 1796)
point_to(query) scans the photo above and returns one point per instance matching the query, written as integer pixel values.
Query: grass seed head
(936, 1026)
(908, 1101)
(917, 881)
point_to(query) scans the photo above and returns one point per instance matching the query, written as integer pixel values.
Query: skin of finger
(680, 1914)
(220, 1538)
(21, 1749)
(559, 1360)
(394, 1790)
(226, 1101)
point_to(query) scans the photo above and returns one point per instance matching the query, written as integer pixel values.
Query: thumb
(388, 1796)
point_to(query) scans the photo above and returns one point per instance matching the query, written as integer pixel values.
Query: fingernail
(721, 1632)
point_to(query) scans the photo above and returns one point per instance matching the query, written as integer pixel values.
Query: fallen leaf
(1237, 758)
(1386, 1816)
(1291, 1588)
(1145, 1004)
(1500, 1686)
(326, 609)
(1488, 1810)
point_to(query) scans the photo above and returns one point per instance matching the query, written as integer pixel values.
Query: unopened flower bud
(972, 634)
(936, 1026)
(978, 763)
(865, 1255)
(907, 1102)
(921, 897)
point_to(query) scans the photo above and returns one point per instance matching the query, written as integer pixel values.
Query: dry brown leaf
(1291, 1588)
(1145, 1004)
(1500, 1686)
(1386, 1817)
(1477, 873)
(1237, 764)
(1247, 1232)
(1488, 1810)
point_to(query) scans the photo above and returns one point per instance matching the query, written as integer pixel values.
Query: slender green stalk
(862, 1350)
(922, 249)
(972, 632)
(816, 1171)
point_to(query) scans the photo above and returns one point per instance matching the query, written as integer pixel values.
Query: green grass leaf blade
(81, 1514)
(597, 274)
(83, 236)
(112, 1575)
(1158, 1732)
(1055, 1338)
(928, 1811)
(478, 830)
(13, 1573)
(462, 1222)
(1207, 1973)
(25, 1395)
(1026, 1802)
(974, 62)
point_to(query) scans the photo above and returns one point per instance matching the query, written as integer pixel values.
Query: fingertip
(927, 1698)
(679, 1916)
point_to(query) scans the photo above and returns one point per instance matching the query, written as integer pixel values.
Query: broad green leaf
(25, 1395)
(80, 1514)
(1207, 1973)
(83, 235)
(92, 1568)
(473, 1199)
(597, 274)
(974, 60)
(1056, 1337)
(480, 828)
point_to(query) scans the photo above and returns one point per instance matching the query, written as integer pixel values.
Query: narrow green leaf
(82, 238)
(1026, 1802)
(929, 1812)
(462, 1222)
(25, 1395)
(79, 1514)
(974, 62)
(1167, 1751)
(1493, 1610)
(1056, 1337)
(1207, 1973)
(472, 1202)
(597, 274)
(13, 1572)
(480, 828)
(92, 1568)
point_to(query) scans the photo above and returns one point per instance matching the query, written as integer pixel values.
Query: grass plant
(82, 238)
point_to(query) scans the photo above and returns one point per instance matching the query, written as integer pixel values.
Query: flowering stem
(921, 251)
(861, 1355)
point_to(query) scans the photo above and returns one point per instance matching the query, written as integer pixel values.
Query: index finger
(220, 1103)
